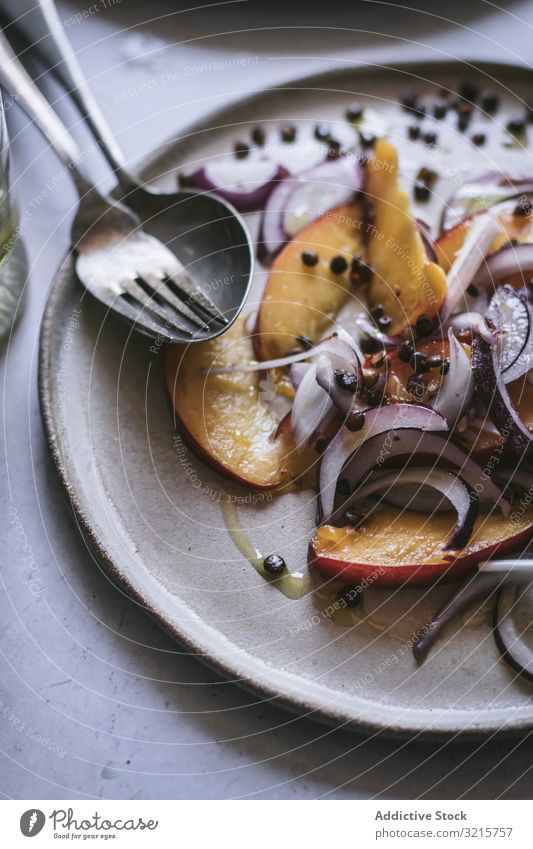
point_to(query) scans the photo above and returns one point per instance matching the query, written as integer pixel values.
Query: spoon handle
(43, 28)
(18, 83)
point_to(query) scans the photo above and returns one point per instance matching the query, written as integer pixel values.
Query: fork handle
(43, 28)
(19, 84)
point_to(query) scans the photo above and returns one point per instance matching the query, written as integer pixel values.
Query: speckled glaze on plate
(156, 517)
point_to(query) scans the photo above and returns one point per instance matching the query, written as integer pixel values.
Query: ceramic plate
(158, 518)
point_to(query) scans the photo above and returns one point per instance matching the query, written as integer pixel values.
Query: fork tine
(132, 288)
(157, 284)
(195, 296)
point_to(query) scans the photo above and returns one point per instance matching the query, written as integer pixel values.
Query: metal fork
(129, 270)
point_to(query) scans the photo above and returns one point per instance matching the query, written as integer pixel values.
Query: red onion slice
(312, 406)
(513, 627)
(479, 587)
(472, 322)
(384, 419)
(481, 235)
(407, 441)
(297, 373)
(311, 409)
(366, 327)
(482, 193)
(298, 200)
(491, 386)
(509, 260)
(262, 365)
(241, 190)
(455, 395)
(451, 487)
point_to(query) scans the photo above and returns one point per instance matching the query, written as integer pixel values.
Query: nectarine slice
(223, 417)
(392, 547)
(303, 300)
(404, 282)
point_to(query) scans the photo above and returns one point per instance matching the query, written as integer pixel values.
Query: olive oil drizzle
(293, 585)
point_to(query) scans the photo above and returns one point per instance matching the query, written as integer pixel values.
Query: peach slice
(223, 417)
(393, 547)
(404, 282)
(300, 300)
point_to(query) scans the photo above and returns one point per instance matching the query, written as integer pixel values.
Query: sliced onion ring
(306, 196)
(483, 192)
(455, 395)
(461, 496)
(499, 266)
(247, 197)
(480, 236)
(471, 322)
(407, 441)
(491, 386)
(478, 587)
(377, 421)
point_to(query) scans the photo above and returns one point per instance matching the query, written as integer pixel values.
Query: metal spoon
(125, 267)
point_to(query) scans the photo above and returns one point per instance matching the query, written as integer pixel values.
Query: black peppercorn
(309, 258)
(334, 149)
(349, 596)
(472, 290)
(338, 265)
(427, 176)
(377, 311)
(346, 380)
(479, 139)
(355, 420)
(384, 323)
(370, 345)
(367, 139)
(274, 564)
(424, 325)
(408, 98)
(440, 108)
(258, 136)
(354, 112)
(288, 133)
(445, 367)
(430, 138)
(406, 351)
(322, 133)
(489, 102)
(419, 362)
(375, 395)
(469, 91)
(413, 132)
(516, 126)
(241, 150)
(421, 191)
(462, 123)
(434, 362)
(360, 272)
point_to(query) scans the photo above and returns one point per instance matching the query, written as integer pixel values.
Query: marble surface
(94, 700)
